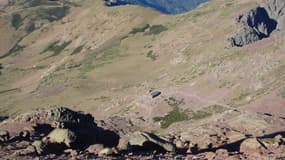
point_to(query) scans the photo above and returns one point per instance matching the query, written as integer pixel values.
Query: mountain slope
(105, 60)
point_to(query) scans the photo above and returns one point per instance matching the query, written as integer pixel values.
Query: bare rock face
(144, 139)
(66, 118)
(276, 10)
(64, 136)
(259, 23)
(250, 144)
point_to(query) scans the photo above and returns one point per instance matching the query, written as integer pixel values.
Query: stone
(65, 136)
(140, 138)
(106, 151)
(276, 10)
(179, 144)
(246, 36)
(72, 152)
(66, 118)
(250, 144)
(4, 136)
(123, 144)
(210, 155)
(39, 146)
(278, 139)
(95, 149)
(267, 142)
(28, 151)
(235, 137)
(24, 135)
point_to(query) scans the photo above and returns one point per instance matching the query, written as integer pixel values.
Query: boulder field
(61, 133)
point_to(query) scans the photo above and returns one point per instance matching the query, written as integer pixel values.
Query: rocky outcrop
(144, 139)
(259, 23)
(65, 136)
(276, 11)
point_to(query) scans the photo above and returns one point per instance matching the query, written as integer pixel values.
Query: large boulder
(4, 136)
(40, 147)
(62, 136)
(250, 144)
(143, 139)
(276, 10)
(66, 118)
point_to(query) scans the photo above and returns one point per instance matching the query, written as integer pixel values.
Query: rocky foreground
(60, 133)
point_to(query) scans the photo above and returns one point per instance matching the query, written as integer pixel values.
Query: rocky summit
(142, 79)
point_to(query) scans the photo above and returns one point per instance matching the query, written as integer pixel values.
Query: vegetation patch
(56, 47)
(140, 29)
(16, 21)
(151, 55)
(156, 29)
(172, 117)
(53, 13)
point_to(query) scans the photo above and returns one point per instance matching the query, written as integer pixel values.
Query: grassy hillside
(105, 60)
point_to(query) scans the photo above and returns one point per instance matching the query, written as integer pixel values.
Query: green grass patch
(53, 13)
(56, 47)
(77, 50)
(140, 29)
(16, 21)
(172, 117)
(151, 55)
(156, 29)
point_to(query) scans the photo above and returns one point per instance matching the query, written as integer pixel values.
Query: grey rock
(276, 10)
(24, 135)
(64, 136)
(40, 147)
(141, 138)
(246, 36)
(66, 118)
(4, 136)
(27, 151)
